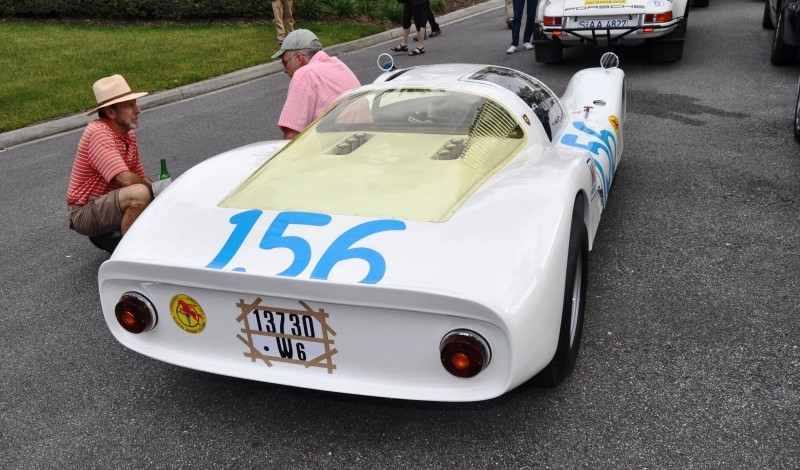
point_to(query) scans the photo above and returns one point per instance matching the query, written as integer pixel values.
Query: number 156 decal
(341, 249)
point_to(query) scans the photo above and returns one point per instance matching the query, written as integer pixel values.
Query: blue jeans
(519, 5)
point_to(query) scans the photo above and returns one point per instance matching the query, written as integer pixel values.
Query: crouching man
(108, 188)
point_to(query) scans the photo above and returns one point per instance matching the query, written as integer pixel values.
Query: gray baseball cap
(298, 39)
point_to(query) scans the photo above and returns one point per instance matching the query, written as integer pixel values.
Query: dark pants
(431, 19)
(519, 6)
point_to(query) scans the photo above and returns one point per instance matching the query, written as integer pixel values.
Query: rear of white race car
(321, 335)
(566, 23)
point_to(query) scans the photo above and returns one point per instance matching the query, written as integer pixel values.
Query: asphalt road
(690, 356)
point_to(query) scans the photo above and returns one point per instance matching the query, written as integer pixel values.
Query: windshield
(400, 153)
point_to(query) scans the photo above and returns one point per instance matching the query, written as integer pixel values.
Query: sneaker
(511, 50)
(528, 46)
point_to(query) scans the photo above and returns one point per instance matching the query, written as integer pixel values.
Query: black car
(784, 16)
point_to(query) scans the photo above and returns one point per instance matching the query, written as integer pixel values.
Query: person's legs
(100, 215)
(420, 13)
(519, 6)
(432, 20)
(530, 23)
(406, 27)
(288, 19)
(277, 13)
(133, 200)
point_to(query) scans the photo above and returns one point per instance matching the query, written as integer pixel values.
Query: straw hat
(112, 90)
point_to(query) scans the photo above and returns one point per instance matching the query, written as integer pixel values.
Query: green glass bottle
(164, 173)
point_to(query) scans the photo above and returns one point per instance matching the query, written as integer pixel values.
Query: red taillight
(135, 313)
(464, 353)
(658, 18)
(553, 20)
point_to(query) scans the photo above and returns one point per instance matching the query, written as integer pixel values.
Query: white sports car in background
(565, 23)
(425, 239)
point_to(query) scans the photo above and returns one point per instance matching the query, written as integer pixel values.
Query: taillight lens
(658, 18)
(464, 353)
(135, 313)
(553, 20)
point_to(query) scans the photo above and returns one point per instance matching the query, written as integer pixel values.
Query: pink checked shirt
(313, 88)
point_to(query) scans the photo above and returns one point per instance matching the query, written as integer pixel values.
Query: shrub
(309, 10)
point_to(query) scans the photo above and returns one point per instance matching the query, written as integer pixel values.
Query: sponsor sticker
(615, 124)
(187, 313)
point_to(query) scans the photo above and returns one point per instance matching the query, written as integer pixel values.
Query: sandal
(438, 32)
(417, 51)
(400, 48)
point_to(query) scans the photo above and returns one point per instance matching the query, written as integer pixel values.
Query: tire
(572, 313)
(700, 3)
(666, 51)
(782, 53)
(548, 53)
(766, 21)
(797, 117)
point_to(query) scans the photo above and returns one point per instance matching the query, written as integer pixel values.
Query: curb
(67, 124)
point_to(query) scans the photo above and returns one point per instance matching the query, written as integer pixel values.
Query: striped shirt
(313, 88)
(103, 153)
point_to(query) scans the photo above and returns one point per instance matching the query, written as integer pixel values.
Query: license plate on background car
(602, 23)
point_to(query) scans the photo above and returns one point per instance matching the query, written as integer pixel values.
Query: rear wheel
(782, 53)
(670, 51)
(569, 337)
(766, 21)
(548, 53)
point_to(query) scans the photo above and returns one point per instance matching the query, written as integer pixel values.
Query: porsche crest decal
(187, 313)
(293, 336)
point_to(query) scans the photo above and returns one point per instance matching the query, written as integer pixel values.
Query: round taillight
(464, 353)
(135, 313)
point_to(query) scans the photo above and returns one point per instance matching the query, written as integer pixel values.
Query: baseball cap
(298, 39)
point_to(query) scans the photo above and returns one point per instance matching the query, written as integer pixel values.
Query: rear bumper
(383, 343)
(608, 37)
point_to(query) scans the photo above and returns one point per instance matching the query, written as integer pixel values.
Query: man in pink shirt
(108, 188)
(317, 80)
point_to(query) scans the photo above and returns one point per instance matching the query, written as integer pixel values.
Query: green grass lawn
(47, 70)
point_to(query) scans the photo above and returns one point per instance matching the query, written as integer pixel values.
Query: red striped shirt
(103, 153)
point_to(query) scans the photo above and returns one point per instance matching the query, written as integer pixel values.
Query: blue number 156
(341, 249)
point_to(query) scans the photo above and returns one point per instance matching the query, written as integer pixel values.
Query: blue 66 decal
(340, 249)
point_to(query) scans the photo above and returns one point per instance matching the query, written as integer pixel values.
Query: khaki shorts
(100, 215)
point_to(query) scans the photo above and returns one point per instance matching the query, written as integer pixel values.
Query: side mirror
(609, 60)
(386, 62)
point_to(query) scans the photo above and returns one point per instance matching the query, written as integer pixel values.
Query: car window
(543, 102)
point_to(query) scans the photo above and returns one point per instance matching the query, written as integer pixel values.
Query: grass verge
(47, 70)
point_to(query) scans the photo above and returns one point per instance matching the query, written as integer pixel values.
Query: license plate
(603, 23)
(301, 336)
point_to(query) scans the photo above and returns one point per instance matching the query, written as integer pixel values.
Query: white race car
(425, 239)
(565, 23)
